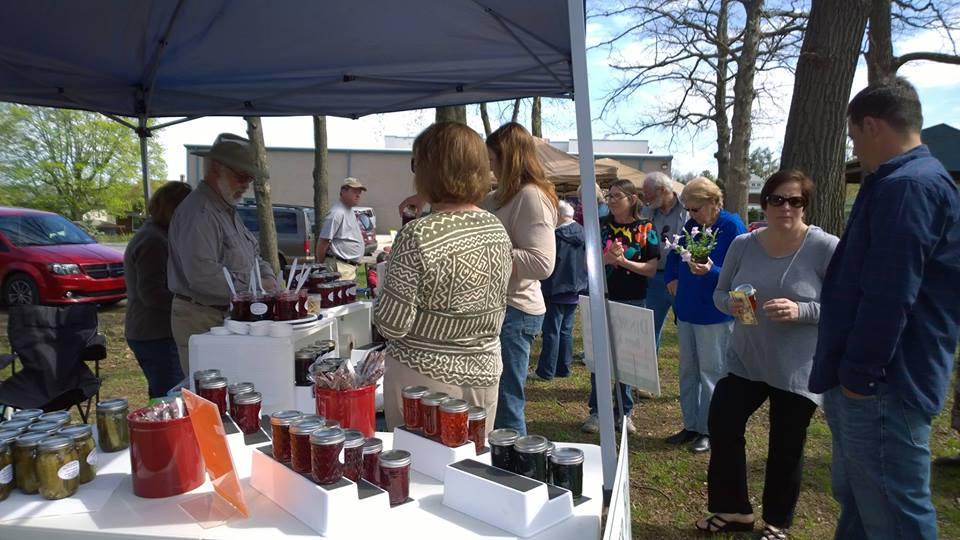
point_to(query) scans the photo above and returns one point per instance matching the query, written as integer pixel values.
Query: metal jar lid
(18, 424)
(454, 406)
(315, 417)
(7, 436)
(503, 437)
(247, 398)
(550, 448)
(434, 399)
(304, 426)
(240, 388)
(211, 383)
(77, 432)
(308, 353)
(567, 456)
(325, 345)
(55, 416)
(44, 427)
(326, 436)
(27, 414)
(205, 374)
(415, 392)
(112, 405)
(531, 444)
(393, 459)
(283, 418)
(353, 438)
(54, 443)
(29, 439)
(372, 445)
(477, 413)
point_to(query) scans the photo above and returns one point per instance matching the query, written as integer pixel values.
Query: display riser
(428, 456)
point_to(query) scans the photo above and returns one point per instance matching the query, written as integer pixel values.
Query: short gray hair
(659, 181)
(565, 209)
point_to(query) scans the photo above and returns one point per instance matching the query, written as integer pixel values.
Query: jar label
(352, 291)
(258, 308)
(6, 475)
(69, 471)
(330, 297)
(93, 458)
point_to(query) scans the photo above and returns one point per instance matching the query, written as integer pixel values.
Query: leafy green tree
(763, 162)
(70, 162)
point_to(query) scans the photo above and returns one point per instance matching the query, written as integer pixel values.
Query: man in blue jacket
(889, 315)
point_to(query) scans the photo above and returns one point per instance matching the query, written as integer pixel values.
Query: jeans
(160, 362)
(702, 351)
(556, 355)
(626, 392)
(735, 399)
(660, 301)
(516, 335)
(881, 467)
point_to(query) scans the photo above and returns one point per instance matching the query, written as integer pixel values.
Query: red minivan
(46, 259)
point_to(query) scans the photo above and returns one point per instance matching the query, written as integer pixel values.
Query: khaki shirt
(206, 235)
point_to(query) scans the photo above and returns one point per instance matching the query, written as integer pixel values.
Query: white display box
(430, 457)
(515, 503)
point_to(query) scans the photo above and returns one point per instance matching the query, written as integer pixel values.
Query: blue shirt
(890, 305)
(694, 302)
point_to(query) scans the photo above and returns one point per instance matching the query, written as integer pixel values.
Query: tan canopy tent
(564, 170)
(634, 175)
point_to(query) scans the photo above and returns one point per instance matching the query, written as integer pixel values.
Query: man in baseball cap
(340, 243)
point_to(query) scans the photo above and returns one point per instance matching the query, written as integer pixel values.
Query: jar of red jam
(430, 413)
(411, 405)
(453, 422)
(240, 306)
(203, 374)
(325, 447)
(350, 293)
(235, 390)
(280, 433)
(300, 431)
(285, 307)
(352, 454)
(477, 427)
(215, 389)
(395, 475)
(261, 308)
(247, 411)
(302, 298)
(328, 293)
(371, 460)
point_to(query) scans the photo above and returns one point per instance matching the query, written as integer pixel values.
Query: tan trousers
(396, 376)
(347, 271)
(187, 319)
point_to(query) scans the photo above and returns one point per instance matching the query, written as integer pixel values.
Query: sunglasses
(692, 210)
(778, 201)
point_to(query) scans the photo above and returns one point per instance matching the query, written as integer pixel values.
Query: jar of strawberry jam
(352, 454)
(395, 475)
(300, 432)
(325, 447)
(247, 411)
(411, 405)
(430, 413)
(477, 427)
(280, 433)
(453, 422)
(235, 390)
(371, 460)
(215, 389)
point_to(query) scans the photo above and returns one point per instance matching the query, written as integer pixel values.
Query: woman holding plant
(693, 267)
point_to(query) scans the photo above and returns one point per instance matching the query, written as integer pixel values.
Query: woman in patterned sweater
(445, 291)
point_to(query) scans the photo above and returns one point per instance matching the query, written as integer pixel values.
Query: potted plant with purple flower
(696, 246)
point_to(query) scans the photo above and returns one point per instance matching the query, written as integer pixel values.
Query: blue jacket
(570, 270)
(890, 305)
(694, 302)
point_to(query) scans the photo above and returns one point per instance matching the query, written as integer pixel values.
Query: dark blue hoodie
(569, 275)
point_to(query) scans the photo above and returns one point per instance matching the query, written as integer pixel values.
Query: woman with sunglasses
(785, 264)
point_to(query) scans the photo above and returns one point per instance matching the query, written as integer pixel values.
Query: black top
(640, 243)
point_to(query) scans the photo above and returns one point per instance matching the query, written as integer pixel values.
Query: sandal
(770, 532)
(716, 524)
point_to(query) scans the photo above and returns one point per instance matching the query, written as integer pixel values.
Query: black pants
(735, 399)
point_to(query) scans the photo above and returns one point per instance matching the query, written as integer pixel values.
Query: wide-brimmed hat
(235, 152)
(352, 182)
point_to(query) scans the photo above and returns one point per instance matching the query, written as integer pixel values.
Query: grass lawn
(668, 484)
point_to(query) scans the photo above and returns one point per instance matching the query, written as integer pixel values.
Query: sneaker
(591, 424)
(628, 422)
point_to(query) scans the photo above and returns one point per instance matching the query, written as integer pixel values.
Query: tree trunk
(720, 118)
(536, 127)
(880, 61)
(738, 181)
(516, 110)
(816, 126)
(486, 120)
(457, 113)
(320, 175)
(261, 189)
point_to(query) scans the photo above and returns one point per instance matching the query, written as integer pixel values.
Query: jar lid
(29, 439)
(302, 354)
(327, 436)
(304, 426)
(315, 417)
(353, 438)
(330, 423)
(550, 448)
(567, 456)
(283, 418)
(503, 437)
(54, 442)
(27, 414)
(112, 404)
(433, 399)
(213, 382)
(77, 432)
(240, 388)
(17, 424)
(326, 345)
(205, 373)
(454, 406)
(415, 392)
(248, 398)
(392, 459)
(8, 435)
(55, 416)
(477, 413)
(531, 444)
(44, 427)
(372, 445)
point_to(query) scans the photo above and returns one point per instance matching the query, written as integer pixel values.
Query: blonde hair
(703, 190)
(519, 165)
(600, 198)
(165, 200)
(451, 164)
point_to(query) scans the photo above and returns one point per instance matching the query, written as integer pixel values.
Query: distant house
(753, 194)
(944, 143)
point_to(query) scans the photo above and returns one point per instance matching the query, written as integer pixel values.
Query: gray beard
(224, 188)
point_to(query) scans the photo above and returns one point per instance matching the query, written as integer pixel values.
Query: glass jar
(301, 365)
(501, 447)
(280, 433)
(82, 437)
(240, 306)
(6, 464)
(61, 418)
(44, 427)
(215, 389)
(453, 422)
(300, 431)
(325, 447)
(352, 454)
(261, 308)
(58, 467)
(15, 425)
(550, 448)
(371, 460)
(247, 411)
(530, 457)
(235, 390)
(285, 308)
(477, 427)
(411, 405)
(27, 414)
(430, 413)
(328, 295)
(113, 432)
(25, 462)
(203, 374)
(566, 470)
(395, 475)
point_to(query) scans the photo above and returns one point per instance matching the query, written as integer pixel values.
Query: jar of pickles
(325, 447)
(234, 390)
(300, 431)
(430, 413)
(61, 418)
(6, 463)
(203, 374)
(215, 389)
(27, 414)
(58, 467)
(566, 470)
(44, 427)
(411, 405)
(25, 462)
(280, 433)
(395, 475)
(501, 447)
(453, 422)
(530, 457)
(82, 437)
(112, 429)
(371, 460)
(247, 412)
(352, 454)
(477, 427)
(15, 425)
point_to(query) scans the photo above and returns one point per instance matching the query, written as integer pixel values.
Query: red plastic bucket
(164, 457)
(354, 409)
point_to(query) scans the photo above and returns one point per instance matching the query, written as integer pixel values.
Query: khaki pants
(346, 271)
(187, 319)
(396, 376)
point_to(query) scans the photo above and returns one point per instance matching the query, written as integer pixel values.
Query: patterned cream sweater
(444, 297)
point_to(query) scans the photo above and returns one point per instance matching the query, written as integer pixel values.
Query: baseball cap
(235, 152)
(352, 182)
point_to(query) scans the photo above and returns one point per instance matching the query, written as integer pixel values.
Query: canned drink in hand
(747, 296)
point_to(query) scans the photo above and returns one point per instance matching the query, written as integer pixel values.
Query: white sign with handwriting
(634, 345)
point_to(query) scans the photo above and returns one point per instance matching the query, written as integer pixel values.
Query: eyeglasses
(778, 201)
(693, 210)
(615, 197)
(242, 176)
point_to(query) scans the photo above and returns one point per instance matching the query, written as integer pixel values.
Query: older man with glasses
(662, 207)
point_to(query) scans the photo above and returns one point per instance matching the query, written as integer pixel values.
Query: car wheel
(20, 290)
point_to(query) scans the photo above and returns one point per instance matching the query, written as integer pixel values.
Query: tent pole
(591, 225)
(143, 133)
